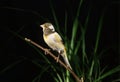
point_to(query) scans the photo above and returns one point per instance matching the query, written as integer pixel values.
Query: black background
(22, 14)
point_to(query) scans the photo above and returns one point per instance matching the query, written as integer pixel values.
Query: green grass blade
(11, 66)
(59, 77)
(54, 16)
(91, 69)
(102, 71)
(37, 78)
(83, 45)
(66, 19)
(98, 33)
(86, 21)
(74, 32)
(110, 72)
(15, 33)
(79, 6)
(75, 26)
(65, 34)
(77, 46)
(117, 80)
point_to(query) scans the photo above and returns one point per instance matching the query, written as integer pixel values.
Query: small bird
(54, 41)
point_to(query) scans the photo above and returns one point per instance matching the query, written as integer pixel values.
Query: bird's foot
(57, 58)
(46, 51)
(60, 51)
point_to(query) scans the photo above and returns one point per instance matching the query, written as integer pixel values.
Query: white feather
(51, 27)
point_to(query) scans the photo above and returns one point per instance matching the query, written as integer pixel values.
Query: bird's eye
(52, 28)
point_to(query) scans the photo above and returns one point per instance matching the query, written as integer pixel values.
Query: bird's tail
(64, 55)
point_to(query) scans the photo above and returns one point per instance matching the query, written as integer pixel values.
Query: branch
(55, 58)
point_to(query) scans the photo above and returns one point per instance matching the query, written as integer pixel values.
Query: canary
(54, 41)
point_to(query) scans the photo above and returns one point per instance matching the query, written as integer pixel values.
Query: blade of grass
(65, 36)
(77, 46)
(83, 31)
(102, 71)
(83, 51)
(74, 31)
(54, 16)
(79, 6)
(41, 73)
(82, 40)
(11, 66)
(83, 43)
(79, 41)
(98, 33)
(66, 19)
(91, 69)
(117, 80)
(75, 26)
(59, 79)
(66, 39)
(110, 72)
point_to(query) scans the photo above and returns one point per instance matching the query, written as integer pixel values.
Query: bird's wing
(57, 37)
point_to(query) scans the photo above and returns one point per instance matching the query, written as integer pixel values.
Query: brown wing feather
(57, 37)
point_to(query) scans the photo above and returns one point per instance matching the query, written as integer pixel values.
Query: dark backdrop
(21, 17)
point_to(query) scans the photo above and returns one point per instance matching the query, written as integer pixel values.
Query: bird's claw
(57, 58)
(46, 51)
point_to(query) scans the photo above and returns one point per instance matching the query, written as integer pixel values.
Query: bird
(54, 41)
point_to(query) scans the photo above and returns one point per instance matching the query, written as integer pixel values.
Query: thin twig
(52, 55)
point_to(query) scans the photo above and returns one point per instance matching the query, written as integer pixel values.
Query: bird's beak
(42, 26)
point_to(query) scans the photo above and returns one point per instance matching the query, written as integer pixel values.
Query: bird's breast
(53, 43)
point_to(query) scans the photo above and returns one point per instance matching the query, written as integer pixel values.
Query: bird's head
(48, 28)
